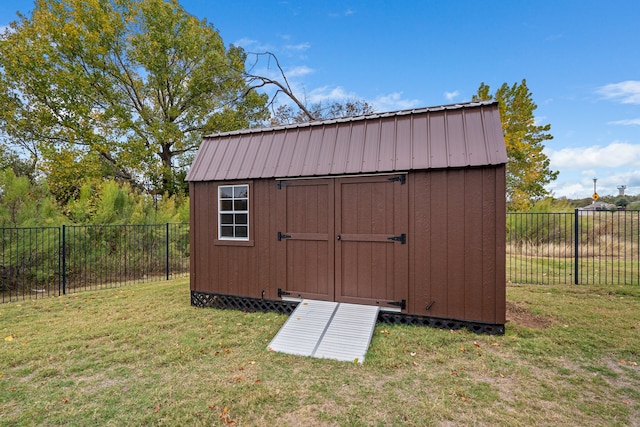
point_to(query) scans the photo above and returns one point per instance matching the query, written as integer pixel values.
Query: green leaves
(24, 203)
(528, 167)
(125, 88)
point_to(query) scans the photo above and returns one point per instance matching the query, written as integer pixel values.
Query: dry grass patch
(521, 315)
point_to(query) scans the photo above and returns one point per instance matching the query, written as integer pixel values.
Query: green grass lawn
(141, 355)
(560, 270)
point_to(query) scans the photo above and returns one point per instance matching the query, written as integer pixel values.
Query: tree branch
(255, 81)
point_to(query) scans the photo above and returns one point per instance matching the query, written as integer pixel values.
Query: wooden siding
(370, 268)
(229, 267)
(455, 243)
(457, 250)
(305, 215)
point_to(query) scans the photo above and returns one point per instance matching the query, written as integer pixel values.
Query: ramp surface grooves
(328, 330)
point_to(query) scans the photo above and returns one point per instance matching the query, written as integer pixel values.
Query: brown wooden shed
(405, 210)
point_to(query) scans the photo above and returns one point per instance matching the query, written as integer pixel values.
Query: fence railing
(583, 247)
(595, 247)
(48, 261)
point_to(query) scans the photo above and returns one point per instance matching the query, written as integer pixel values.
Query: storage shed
(404, 210)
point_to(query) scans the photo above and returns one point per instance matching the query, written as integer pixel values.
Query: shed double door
(345, 239)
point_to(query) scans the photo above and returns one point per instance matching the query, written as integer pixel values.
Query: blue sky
(581, 60)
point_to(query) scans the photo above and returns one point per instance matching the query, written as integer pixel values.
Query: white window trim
(233, 212)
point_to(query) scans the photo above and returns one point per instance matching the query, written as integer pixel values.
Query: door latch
(281, 293)
(283, 236)
(401, 238)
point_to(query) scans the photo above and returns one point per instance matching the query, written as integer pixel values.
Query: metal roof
(459, 135)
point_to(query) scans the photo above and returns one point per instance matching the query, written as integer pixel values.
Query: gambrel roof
(449, 136)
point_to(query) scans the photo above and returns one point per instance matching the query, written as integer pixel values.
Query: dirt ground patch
(521, 315)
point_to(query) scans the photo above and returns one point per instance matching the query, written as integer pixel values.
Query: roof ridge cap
(456, 106)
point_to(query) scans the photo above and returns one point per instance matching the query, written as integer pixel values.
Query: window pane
(242, 231)
(240, 205)
(226, 192)
(241, 191)
(226, 205)
(233, 212)
(226, 231)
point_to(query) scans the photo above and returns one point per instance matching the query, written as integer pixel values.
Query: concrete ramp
(327, 330)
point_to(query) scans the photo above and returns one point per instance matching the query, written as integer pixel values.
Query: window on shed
(233, 212)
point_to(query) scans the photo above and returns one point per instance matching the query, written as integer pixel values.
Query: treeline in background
(108, 235)
(27, 202)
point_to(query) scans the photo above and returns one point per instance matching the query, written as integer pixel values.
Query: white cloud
(299, 71)
(251, 45)
(629, 178)
(628, 122)
(615, 164)
(300, 47)
(326, 94)
(245, 42)
(617, 154)
(627, 92)
(540, 120)
(608, 183)
(581, 185)
(450, 96)
(571, 190)
(347, 12)
(393, 102)
(281, 49)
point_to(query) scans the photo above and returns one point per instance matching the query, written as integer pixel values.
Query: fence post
(576, 247)
(64, 259)
(167, 249)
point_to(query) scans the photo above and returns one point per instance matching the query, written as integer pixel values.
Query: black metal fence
(47, 261)
(583, 247)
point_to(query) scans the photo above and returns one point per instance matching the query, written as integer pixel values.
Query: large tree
(120, 89)
(528, 168)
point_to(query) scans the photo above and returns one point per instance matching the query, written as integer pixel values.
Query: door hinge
(401, 238)
(401, 178)
(281, 293)
(281, 184)
(402, 304)
(283, 236)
